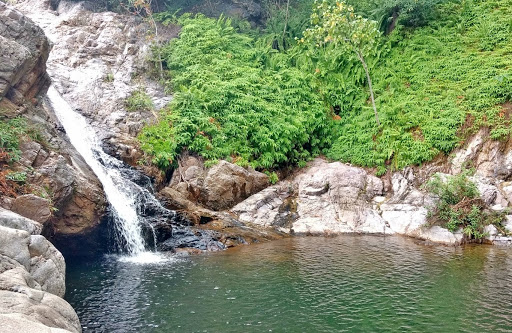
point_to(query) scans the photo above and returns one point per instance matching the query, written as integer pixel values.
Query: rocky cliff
(47, 188)
(63, 193)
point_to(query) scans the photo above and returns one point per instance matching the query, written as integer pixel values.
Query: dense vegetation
(254, 97)
(460, 206)
(12, 131)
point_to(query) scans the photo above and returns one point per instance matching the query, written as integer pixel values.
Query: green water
(342, 284)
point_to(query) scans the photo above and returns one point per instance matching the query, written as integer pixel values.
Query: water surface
(342, 284)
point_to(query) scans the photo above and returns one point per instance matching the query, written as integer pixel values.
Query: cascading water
(125, 197)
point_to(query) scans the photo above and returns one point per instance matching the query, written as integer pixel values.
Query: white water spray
(121, 197)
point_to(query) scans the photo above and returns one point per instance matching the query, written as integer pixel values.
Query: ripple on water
(342, 284)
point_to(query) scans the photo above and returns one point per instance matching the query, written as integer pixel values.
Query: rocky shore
(32, 280)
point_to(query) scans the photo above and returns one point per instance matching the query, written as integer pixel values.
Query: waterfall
(123, 195)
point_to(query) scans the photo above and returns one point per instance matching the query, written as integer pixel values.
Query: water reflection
(343, 284)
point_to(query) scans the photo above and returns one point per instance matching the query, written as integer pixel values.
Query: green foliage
(347, 32)
(428, 82)
(339, 25)
(411, 13)
(109, 77)
(297, 22)
(437, 79)
(139, 101)
(235, 98)
(11, 131)
(460, 207)
(18, 177)
(272, 177)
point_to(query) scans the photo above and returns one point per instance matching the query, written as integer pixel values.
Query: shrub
(460, 206)
(235, 98)
(139, 101)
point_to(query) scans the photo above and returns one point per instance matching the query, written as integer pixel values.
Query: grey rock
(12, 220)
(226, 184)
(14, 244)
(219, 187)
(47, 266)
(24, 49)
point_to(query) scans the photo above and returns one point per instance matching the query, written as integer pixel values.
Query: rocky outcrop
(219, 187)
(98, 59)
(66, 196)
(334, 198)
(23, 52)
(32, 280)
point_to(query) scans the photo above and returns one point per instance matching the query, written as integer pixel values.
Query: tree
(143, 8)
(337, 24)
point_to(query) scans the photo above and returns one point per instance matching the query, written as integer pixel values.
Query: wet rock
(32, 207)
(186, 238)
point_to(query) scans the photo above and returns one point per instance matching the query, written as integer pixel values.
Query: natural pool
(310, 284)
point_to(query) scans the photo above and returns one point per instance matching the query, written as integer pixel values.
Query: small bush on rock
(139, 101)
(459, 206)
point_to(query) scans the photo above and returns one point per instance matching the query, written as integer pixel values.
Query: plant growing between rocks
(459, 206)
(139, 100)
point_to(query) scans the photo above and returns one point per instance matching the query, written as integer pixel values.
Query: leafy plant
(235, 98)
(11, 131)
(272, 177)
(337, 24)
(459, 206)
(139, 101)
(18, 177)
(238, 97)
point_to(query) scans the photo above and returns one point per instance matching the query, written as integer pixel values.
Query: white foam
(146, 258)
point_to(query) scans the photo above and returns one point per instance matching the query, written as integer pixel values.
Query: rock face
(97, 61)
(59, 178)
(32, 280)
(23, 53)
(333, 198)
(219, 187)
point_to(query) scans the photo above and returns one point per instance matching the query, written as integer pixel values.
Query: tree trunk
(361, 58)
(286, 22)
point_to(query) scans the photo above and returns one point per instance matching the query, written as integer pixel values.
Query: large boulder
(33, 207)
(333, 198)
(32, 280)
(219, 187)
(12, 220)
(327, 198)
